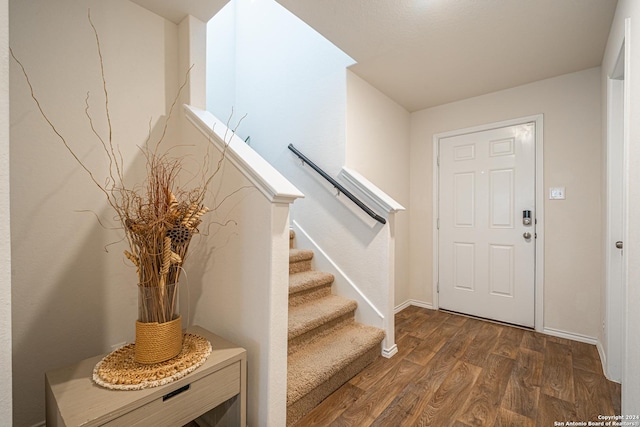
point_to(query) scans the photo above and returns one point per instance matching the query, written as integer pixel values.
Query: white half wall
(572, 159)
(239, 283)
(292, 84)
(377, 146)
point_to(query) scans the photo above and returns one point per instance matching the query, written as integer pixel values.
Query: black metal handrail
(337, 185)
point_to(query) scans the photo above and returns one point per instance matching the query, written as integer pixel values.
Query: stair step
(299, 260)
(306, 317)
(326, 347)
(311, 321)
(292, 235)
(308, 285)
(318, 369)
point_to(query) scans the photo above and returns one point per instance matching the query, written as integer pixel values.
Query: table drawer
(177, 408)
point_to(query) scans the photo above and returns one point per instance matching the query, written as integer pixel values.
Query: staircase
(326, 346)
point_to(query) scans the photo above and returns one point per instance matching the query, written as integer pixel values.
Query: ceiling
(423, 53)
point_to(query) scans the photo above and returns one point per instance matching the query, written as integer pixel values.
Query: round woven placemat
(119, 370)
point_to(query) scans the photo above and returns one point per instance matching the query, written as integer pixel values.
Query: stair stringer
(367, 313)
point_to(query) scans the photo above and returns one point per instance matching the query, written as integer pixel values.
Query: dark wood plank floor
(457, 371)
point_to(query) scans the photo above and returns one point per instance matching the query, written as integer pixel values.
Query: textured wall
(572, 158)
(377, 147)
(70, 298)
(5, 244)
(297, 94)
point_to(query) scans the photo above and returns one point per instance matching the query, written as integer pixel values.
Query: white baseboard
(389, 352)
(570, 336)
(603, 359)
(410, 302)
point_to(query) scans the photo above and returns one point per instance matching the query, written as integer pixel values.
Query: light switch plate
(556, 193)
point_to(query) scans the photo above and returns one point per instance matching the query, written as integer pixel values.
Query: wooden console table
(215, 394)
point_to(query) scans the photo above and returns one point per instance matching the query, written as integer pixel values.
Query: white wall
(572, 158)
(192, 56)
(5, 243)
(221, 67)
(378, 148)
(291, 83)
(71, 299)
(631, 367)
(239, 283)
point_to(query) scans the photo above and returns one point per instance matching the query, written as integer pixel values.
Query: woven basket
(157, 342)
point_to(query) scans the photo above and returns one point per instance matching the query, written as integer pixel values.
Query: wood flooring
(457, 371)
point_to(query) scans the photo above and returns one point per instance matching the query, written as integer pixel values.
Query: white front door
(486, 248)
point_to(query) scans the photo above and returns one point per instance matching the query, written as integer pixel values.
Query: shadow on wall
(217, 232)
(66, 323)
(70, 299)
(88, 303)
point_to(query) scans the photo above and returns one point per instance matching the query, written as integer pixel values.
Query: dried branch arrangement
(159, 218)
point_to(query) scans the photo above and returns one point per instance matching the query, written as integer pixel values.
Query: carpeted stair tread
(299, 260)
(326, 347)
(297, 255)
(307, 285)
(316, 363)
(310, 279)
(309, 316)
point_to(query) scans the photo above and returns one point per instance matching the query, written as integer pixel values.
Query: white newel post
(379, 201)
(389, 347)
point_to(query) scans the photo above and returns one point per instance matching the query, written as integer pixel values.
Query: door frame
(537, 120)
(617, 143)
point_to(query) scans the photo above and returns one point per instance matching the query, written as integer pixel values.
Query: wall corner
(192, 48)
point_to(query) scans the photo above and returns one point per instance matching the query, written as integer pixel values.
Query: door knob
(527, 235)
(619, 244)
